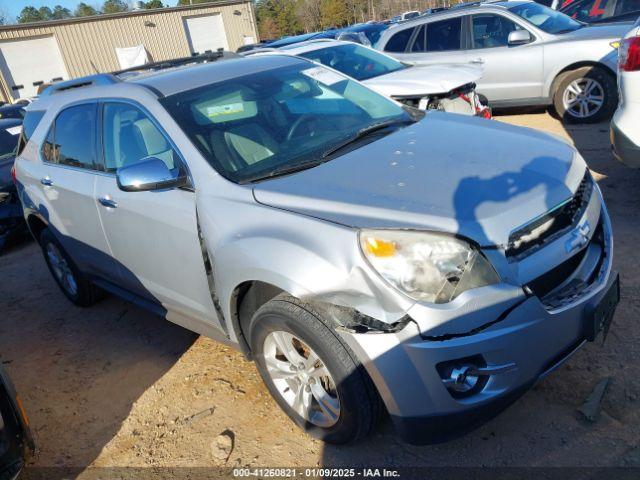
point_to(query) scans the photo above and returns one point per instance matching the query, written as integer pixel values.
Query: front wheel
(585, 95)
(311, 374)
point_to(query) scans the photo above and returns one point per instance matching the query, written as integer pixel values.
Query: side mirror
(519, 37)
(149, 174)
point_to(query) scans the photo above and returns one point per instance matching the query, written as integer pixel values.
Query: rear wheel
(311, 374)
(73, 283)
(585, 95)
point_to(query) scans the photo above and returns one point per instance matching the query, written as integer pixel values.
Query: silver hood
(607, 31)
(425, 80)
(478, 178)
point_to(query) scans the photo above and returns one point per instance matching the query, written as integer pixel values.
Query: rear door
(154, 234)
(511, 72)
(69, 174)
(436, 43)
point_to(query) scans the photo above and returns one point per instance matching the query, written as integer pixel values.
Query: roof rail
(205, 57)
(99, 79)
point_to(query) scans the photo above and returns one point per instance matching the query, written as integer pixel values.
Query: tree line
(32, 14)
(277, 18)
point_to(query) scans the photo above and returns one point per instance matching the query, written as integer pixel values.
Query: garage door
(206, 33)
(25, 64)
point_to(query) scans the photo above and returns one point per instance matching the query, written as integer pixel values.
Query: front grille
(553, 224)
(549, 287)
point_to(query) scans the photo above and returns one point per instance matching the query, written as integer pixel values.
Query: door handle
(478, 61)
(108, 202)
(46, 181)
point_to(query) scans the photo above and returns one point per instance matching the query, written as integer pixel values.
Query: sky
(13, 7)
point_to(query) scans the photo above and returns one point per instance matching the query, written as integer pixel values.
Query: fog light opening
(461, 377)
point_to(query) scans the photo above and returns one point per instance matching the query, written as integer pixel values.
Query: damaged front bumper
(516, 338)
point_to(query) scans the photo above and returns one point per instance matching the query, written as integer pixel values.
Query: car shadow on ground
(126, 351)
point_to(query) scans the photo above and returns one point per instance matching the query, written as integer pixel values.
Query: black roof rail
(99, 79)
(205, 57)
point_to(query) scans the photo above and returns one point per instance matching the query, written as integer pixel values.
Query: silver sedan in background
(531, 54)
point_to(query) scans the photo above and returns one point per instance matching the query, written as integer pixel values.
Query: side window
(444, 35)
(29, 125)
(72, 138)
(419, 42)
(491, 31)
(627, 6)
(130, 136)
(398, 43)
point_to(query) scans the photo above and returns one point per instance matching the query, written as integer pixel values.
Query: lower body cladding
(438, 387)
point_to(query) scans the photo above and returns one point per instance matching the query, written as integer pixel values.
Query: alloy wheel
(301, 378)
(61, 270)
(583, 97)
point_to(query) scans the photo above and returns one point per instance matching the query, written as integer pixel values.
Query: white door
(26, 64)
(206, 33)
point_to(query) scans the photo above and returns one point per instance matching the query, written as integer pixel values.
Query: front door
(153, 234)
(511, 72)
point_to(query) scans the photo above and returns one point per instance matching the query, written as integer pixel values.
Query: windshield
(277, 119)
(355, 60)
(9, 141)
(546, 19)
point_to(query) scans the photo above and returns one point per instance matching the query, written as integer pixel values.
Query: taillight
(629, 54)
(13, 174)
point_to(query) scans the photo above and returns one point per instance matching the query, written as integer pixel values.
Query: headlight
(429, 267)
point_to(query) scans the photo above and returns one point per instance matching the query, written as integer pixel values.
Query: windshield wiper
(364, 132)
(284, 170)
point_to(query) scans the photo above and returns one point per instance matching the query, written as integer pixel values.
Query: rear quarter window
(30, 123)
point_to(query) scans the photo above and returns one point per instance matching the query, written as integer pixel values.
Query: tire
(360, 406)
(82, 293)
(602, 85)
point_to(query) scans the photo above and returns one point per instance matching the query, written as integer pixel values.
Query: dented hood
(425, 80)
(474, 177)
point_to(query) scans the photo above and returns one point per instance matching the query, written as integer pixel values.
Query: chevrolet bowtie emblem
(579, 237)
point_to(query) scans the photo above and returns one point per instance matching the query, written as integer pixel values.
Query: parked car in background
(594, 11)
(364, 254)
(15, 111)
(449, 88)
(363, 33)
(531, 55)
(16, 441)
(625, 128)
(12, 224)
(405, 16)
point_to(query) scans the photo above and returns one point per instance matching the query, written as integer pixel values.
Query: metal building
(36, 53)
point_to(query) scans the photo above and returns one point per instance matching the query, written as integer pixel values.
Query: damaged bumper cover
(498, 325)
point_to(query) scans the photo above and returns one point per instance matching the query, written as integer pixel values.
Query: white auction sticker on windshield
(323, 75)
(14, 130)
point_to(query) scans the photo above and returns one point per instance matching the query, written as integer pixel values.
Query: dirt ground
(116, 386)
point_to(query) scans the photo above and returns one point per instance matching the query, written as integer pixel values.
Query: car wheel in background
(75, 285)
(311, 374)
(585, 95)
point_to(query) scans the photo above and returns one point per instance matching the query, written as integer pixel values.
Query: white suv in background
(625, 133)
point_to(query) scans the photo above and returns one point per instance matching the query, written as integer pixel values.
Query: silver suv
(366, 255)
(531, 55)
